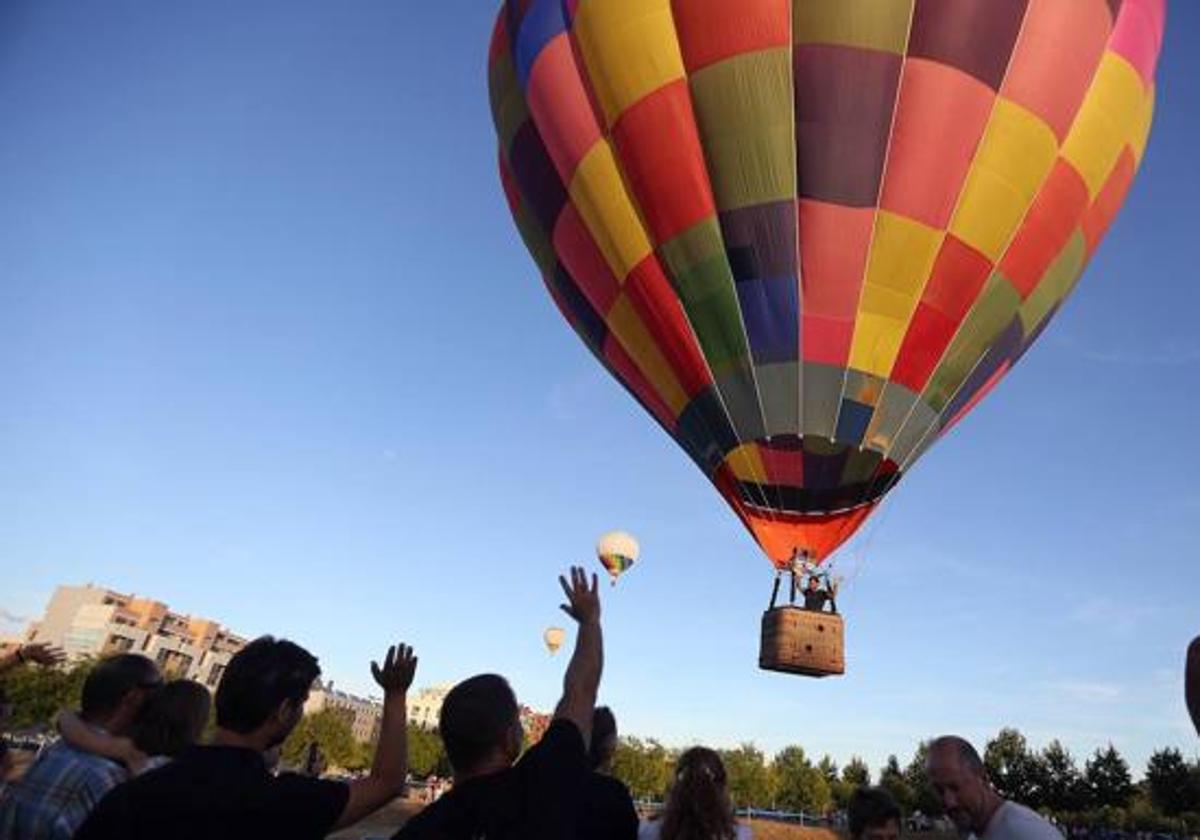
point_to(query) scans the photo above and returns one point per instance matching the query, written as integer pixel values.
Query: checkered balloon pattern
(808, 236)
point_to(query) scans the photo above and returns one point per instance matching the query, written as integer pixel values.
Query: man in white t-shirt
(960, 779)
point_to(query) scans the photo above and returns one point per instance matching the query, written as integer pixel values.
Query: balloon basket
(800, 641)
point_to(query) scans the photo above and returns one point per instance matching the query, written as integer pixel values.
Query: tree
(892, 778)
(799, 786)
(925, 798)
(644, 766)
(38, 694)
(1108, 780)
(332, 735)
(829, 770)
(856, 773)
(426, 753)
(1170, 782)
(1017, 773)
(1064, 788)
(749, 781)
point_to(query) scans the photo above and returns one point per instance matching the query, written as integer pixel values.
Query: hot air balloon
(553, 637)
(808, 236)
(617, 552)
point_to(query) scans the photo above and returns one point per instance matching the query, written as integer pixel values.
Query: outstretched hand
(42, 653)
(399, 668)
(583, 601)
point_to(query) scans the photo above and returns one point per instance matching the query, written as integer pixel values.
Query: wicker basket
(799, 641)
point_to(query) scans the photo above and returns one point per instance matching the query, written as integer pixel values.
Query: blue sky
(271, 351)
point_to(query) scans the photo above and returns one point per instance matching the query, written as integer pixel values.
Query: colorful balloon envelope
(617, 552)
(554, 637)
(808, 236)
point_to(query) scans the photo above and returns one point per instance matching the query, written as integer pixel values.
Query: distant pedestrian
(960, 779)
(698, 805)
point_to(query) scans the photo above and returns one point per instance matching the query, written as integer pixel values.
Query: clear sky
(271, 351)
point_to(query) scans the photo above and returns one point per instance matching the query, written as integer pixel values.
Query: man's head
(604, 738)
(116, 689)
(480, 725)
(263, 690)
(813, 583)
(873, 815)
(958, 775)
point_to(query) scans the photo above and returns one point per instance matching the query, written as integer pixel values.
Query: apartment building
(95, 621)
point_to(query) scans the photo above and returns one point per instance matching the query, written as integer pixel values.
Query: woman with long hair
(698, 806)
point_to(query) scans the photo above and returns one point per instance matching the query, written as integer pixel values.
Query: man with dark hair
(957, 774)
(609, 812)
(477, 715)
(873, 815)
(225, 790)
(817, 596)
(1192, 682)
(55, 795)
(540, 797)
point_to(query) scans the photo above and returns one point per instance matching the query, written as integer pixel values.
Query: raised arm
(386, 779)
(83, 737)
(37, 653)
(582, 679)
(1192, 682)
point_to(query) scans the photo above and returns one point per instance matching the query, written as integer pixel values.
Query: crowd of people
(131, 763)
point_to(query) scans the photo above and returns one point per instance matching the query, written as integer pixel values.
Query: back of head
(698, 807)
(604, 737)
(259, 678)
(108, 684)
(870, 807)
(476, 718)
(173, 719)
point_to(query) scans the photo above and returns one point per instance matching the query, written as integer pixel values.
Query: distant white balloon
(617, 551)
(553, 637)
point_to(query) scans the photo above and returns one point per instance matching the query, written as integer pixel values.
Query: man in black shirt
(609, 814)
(540, 797)
(225, 791)
(816, 596)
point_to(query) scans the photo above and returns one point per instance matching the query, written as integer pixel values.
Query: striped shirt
(56, 794)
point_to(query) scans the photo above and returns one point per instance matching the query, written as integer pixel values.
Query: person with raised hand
(225, 790)
(32, 653)
(540, 796)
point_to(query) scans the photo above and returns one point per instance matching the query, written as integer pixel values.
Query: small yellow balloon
(553, 637)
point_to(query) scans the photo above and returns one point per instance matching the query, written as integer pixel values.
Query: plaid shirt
(56, 794)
